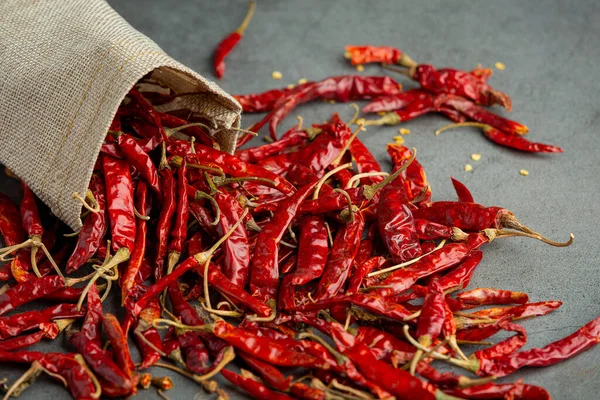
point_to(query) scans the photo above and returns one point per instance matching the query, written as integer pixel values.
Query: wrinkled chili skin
(78, 379)
(236, 250)
(373, 54)
(15, 324)
(119, 200)
(427, 230)
(484, 296)
(30, 290)
(264, 270)
(433, 314)
(466, 216)
(516, 391)
(10, 222)
(463, 193)
(30, 217)
(94, 228)
(396, 101)
(271, 375)
(460, 276)
(137, 157)
(165, 220)
(459, 83)
(518, 142)
(256, 389)
(179, 231)
(344, 249)
(414, 177)
(312, 250)
(365, 162)
(396, 223)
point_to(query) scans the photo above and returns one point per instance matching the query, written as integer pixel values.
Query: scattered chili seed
(500, 66)
(302, 81)
(475, 156)
(468, 167)
(360, 68)
(404, 131)
(276, 75)
(524, 172)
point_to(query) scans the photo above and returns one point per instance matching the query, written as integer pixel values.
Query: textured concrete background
(551, 53)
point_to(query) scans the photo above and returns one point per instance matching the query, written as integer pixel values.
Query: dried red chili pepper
(520, 311)
(396, 101)
(385, 346)
(143, 205)
(255, 154)
(119, 200)
(362, 270)
(195, 354)
(377, 54)
(30, 290)
(483, 296)
(176, 123)
(138, 159)
(253, 387)
(165, 220)
(305, 392)
(365, 162)
(312, 250)
(94, 228)
(507, 139)
(460, 276)
(179, 231)
(264, 101)
(270, 375)
(463, 193)
(507, 346)
(15, 324)
(414, 177)
(264, 271)
(118, 342)
(226, 45)
(516, 391)
(339, 262)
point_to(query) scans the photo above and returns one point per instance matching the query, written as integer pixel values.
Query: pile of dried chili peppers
(300, 262)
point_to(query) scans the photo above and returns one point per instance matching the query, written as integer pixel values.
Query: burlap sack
(65, 66)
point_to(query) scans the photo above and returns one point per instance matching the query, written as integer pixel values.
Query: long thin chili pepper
(362, 270)
(312, 250)
(138, 159)
(226, 45)
(376, 54)
(385, 346)
(365, 161)
(264, 101)
(178, 233)
(94, 228)
(165, 220)
(463, 193)
(30, 290)
(516, 391)
(264, 271)
(254, 388)
(520, 311)
(271, 375)
(396, 101)
(507, 139)
(414, 177)
(483, 296)
(15, 324)
(143, 205)
(255, 154)
(195, 353)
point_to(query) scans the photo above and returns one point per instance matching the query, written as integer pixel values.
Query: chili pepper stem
(406, 61)
(138, 331)
(493, 234)
(351, 208)
(358, 177)
(35, 242)
(407, 71)
(458, 235)
(172, 259)
(407, 263)
(140, 216)
(391, 118)
(465, 382)
(511, 222)
(228, 356)
(89, 196)
(337, 160)
(327, 176)
(454, 345)
(475, 342)
(413, 364)
(350, 390)
(25, 380)
(370, 191)
(247, 18)
(203, 195)
(219, 181)
(203, 257)
(356, 113)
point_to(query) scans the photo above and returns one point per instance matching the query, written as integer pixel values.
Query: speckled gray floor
(551, 53)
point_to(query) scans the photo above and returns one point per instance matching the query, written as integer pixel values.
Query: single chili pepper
(414, 177)
(141, 108)
(255, 154)
(397, 381)
(30, 219)
(396, 101)
(15, 324)
(479, 333)
(427, 230)
(264, 101)
(30, 290)
(165, 220)
(380, 306)
(431, 321)
(365, 161)
(419, 107)
(553, 353)
(312, 250)
(507, 346)
(341, 257)
(464, 195)
(362, 270)
(254, 388)
(118, 342)
(484, 296)
(119, 199)
(520, 311)
(264, 271)
(179, 231)
(233, 166)
(173, 122)
(195, 353)
(20, 342)
(134, 265)
(447, 379)
(480, 114)
(305, 392)
(93, 318)
(204, 218)
(366, 246)
(270, 375)
(458, 83)
(149, 345)
(236, 250)
(226, 45)
(138, 159)
(516, 391)
(396, 224)
(377, 54)
(446, 257)
(507, 139)
(94, 228)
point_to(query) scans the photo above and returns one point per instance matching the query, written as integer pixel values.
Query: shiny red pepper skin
(373, 54)
(463, 193)
(385, 346)
(118, 342)
(264, 271)
(132, 269)
(255, 154)
(460, 276)
(414, 177)
(94, 228)
(10, 222)
(119, 200)
(396, 101)
(194, 352)
(365, 162)
(466, 216)
(362, 270)
(459, 83)
(427, 230)
(254, 388)
(236, 250)
(137, 158)
(76, 375)
(270, 375)
(507, 346)
(165, 220)
(30, 217)
(15, 324)
(179, 231)
(222, 50)
(264, 101)
(488, 391)
(396, 224)
(171, 121)
(344, 249)
(518, 142)
(433, 315)
(312, 250)
(484, 296)
(520, 311)
(28, 291)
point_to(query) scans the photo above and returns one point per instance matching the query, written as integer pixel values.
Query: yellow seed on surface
(276, 75)
(347, 55)
(468, 168)
(524, 172)
(404, 131)
(360, 68)
(331, 101)
(475, 157)
(360, 121)
(382, 113)
(500, 66)
(291, 86)
(302, 81)
(399, 139)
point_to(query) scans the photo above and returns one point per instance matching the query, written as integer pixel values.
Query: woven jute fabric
(65, 66)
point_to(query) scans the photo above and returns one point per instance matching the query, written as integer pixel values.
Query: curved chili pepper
(94, 228)
(30, 217)
(463, 193)
(483, 296)
(396, 101)
(305, 392)
(264, 271)
(264, 101)
(507, 346)
(140, 107)
(516, 391)
(343, 251)
(365, 161)
(30, 290)
(132, 269)
(137, 157)
(236, 250)
(373, 54)
(119, 200)
(78, 379)
(195, 353)
(362, 270)
(414, 177)
(385, 346)
(165, 220)
(459, 83)
(118, 342)
(13, 325)
(179, 231)
(271, 375)
(460, 276)
(256, 389)
(520, 311)
(255, 154)
(312, 250)
(226, 45)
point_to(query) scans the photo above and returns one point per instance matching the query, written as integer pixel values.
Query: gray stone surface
(551, 53)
